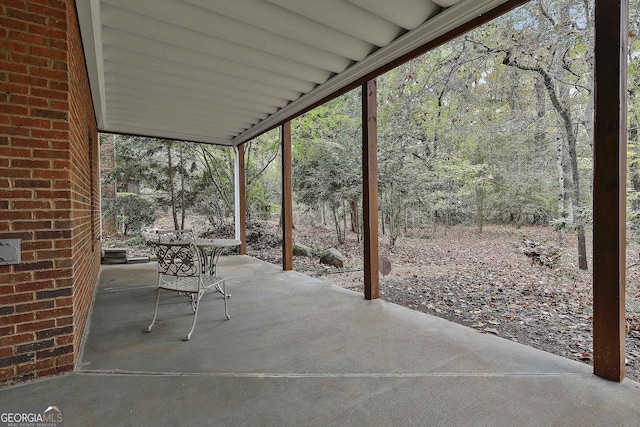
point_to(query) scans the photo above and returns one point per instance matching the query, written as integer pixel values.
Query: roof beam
(447, 25)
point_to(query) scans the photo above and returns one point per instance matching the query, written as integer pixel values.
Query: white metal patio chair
(180, 270)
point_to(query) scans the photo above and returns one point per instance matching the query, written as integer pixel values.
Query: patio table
(211, 249)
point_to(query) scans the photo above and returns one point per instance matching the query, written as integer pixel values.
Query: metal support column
(609, 188)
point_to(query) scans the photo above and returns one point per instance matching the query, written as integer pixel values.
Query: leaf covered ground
(482, 280)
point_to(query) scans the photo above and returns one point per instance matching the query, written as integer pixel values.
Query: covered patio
(296, 351)
(299, 351)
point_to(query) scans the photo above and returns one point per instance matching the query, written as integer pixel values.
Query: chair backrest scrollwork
(171, 236)
(181, 260)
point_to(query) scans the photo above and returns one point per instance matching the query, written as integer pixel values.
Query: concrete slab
(299, 351)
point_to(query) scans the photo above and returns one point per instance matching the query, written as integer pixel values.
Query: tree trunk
(336, 223)
(562, 192)
(354, 215)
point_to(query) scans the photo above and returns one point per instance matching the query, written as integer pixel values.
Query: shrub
(133, 212)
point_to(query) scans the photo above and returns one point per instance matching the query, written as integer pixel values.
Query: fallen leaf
(491, 331)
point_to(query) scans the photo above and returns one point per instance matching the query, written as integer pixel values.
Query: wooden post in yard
(370, 188)
(609, 188)
(287, 209)
(241, 199)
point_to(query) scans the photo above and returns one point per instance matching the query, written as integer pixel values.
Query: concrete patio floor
(298, 351)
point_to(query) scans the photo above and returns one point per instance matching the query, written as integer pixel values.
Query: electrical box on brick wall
(10, 251)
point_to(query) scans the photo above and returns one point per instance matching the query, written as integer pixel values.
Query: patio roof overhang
(225, 71)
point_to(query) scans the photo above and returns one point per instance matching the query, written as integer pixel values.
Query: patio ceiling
(225, 71)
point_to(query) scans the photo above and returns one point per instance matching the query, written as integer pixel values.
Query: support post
(287, 208)
(240, 198)
(370, 188)
(609, 188)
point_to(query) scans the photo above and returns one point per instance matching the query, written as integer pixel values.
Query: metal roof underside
(225, 71)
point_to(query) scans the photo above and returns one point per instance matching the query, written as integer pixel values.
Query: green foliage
(133, 212)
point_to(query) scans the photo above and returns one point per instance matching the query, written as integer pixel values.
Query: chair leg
(225, 297)
(194, 303)
(195, 315)
(155, 312)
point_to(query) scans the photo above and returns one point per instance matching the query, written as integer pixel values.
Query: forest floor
(480, 280)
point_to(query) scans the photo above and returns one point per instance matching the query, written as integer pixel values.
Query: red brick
(15, 339)
(54, 313)
(47, 73)
(47, 93)
(13, 46)
(64, 302)
(48, 52)
(15, 173)
(46, 11)
(64, 125)
(7, 373)
(51, 114)
(13, 109)
(64, 321)
(45, 364)
(27, 100)
(14, 24)
(15, 298)
(32, 183)
(12, 278)
(51, 154)
(15, 152)
(16, 4)
(54, 332)
(35, 326)
(40, 305)
(51, 174)
(35, 286)
(53, 194)
(49, 134)
(13, 88)
(30, 266)
(58, 23)
(17, 319)
(64, 106)
(53, 274)
(18, 215)
(14, 68)
(28, 59)
(21, 79)
(29, 38)
(58, 4)
(24, 16)
(59, 66)
(26, 368)
(53, 85)
(32, 204)
(30, 164)
(31, 122)
(51, 214)
(64, 340)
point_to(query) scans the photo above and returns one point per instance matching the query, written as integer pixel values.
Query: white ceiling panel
(225, 71)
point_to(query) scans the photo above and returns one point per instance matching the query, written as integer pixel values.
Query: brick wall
(48, 188)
